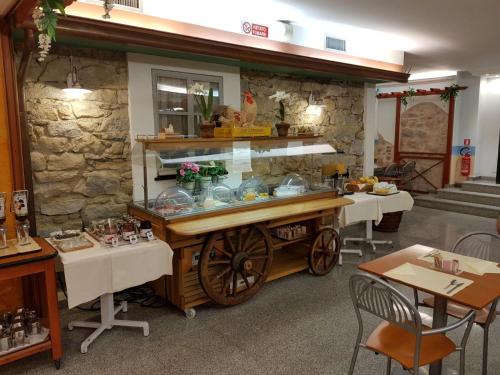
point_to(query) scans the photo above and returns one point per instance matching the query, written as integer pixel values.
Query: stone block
(358, 107)
(122, 96)
(49, 145)
(53, 189)
(68, 160)
(41, 111)
(90, 124)
(67, 129)
(114, 165)
(65, 111)
(99, 182)
(54, 176)
(116, 122)
(102, 211)
(38, 162)
(87, 143)
(84, 109)
(102, 95)
(62, 205)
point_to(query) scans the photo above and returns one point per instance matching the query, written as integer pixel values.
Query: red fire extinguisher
(465, 156)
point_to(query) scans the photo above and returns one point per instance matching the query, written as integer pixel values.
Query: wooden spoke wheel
(325, 252)
(234, 265)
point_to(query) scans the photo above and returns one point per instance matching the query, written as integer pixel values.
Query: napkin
(404, 270)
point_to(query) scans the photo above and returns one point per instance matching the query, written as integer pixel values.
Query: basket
(390, 222)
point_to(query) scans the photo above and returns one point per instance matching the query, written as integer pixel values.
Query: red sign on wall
(255, 29)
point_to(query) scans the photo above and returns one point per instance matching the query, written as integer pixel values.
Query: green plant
(449, 92)
(411, 92)
(280, 97)
(206, 106)
(45, 20)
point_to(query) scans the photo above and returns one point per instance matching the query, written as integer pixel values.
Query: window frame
(190, 79)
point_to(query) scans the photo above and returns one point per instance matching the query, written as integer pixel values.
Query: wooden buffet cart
(226, 255)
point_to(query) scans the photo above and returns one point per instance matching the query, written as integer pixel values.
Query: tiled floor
(297, 325)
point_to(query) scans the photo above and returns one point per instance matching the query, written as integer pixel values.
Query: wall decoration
(45, 20)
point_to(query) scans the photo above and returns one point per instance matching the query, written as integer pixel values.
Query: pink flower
(181, 172)
(196, 168)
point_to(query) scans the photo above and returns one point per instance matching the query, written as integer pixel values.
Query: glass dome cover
(222, 192)
(253, 189)
(173, 201)
(295, 180)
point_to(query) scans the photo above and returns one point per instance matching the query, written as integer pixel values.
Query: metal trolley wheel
(325, 252)
(234, 271)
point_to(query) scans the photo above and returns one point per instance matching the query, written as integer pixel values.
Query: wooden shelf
(278, 243)
(30, 350)
(288, 261)
(194, 143)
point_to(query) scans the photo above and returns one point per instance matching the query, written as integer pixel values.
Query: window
(172, 103)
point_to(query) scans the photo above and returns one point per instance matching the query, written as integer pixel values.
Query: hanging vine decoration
(411, 92)
(450, 92)
(45, 20)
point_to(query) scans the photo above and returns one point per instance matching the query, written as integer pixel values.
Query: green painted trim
(89, 43)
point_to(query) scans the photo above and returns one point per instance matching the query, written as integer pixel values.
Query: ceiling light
(432, 75)
(74, 88)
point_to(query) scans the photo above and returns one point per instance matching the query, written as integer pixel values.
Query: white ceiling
(445, 34)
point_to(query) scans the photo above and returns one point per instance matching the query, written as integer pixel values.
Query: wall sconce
(314, 109)
(74, 88)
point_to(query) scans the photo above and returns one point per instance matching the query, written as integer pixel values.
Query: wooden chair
(401, 335)
(480, 245)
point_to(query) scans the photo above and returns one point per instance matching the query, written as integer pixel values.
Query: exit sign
(255, 29)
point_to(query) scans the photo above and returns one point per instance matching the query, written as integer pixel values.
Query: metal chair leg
(462, 362)
(353, 359)
(485, 350)
(389, 362)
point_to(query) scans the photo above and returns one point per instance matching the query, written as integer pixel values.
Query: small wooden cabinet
(39, 277)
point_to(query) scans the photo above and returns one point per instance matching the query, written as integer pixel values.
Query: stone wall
(341, 120)
(80, 147)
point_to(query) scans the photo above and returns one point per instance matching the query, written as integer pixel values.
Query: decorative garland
(45, 20)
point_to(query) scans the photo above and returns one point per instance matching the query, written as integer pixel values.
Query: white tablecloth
(372, 207)
(90, 273)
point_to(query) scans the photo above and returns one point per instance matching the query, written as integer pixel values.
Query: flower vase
(205, 181)
(282, 128)
(207, 129)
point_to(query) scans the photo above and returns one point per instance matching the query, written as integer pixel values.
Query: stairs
(480, 198)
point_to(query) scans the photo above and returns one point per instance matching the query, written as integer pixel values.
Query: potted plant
(219, 172)
(187, 174)
(282, 126)
(206, 107)
(206, 173)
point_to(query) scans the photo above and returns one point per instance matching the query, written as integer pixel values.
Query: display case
(240, 212)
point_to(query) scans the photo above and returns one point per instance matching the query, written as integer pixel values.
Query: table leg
(108, 321)
(53, 310)
(439, 319)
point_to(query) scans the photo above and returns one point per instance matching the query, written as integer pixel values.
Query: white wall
(141, 107)
(489, 127)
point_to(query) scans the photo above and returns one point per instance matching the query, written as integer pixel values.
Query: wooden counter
(204, 225)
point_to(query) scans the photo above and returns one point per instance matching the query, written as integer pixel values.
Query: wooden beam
(23, 10)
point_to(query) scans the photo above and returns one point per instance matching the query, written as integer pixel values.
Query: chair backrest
(408, 168)
(392, 170)
(377, 297)
(480, 245)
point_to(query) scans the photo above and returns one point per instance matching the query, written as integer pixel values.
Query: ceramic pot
(205, 181)
(189, 186)
(207, 129)
(282, 128)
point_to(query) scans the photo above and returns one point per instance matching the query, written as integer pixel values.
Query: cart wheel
(190, 313)
(324, 252)
(233, 270)
(57, 363)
